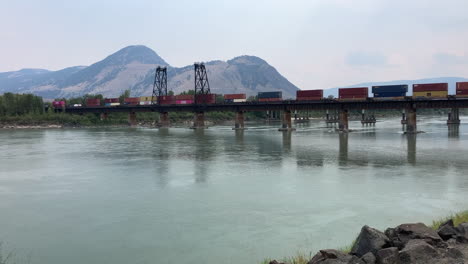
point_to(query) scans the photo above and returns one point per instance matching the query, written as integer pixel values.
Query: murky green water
(217, 196)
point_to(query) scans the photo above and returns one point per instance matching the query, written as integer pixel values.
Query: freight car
(352, 94)
(430, 90)
(389, 92)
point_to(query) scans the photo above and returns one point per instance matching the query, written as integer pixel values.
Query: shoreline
(445, 241)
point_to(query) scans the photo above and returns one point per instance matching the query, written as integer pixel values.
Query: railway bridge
(410, 107)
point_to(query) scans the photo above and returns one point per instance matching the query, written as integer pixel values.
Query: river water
(123, 195)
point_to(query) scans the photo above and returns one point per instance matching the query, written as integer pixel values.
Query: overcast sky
(313, 43)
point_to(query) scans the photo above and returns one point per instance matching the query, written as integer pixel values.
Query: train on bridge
(379, 93)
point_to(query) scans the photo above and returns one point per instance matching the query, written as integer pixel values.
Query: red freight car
(234, 96)
(184, 97)
(132, 100)
(430, 87)
(462, 89)
(359, 93)
(270, 99)
(58, 104)
(205, 98)
(93, 102)
(309, 95)
(166, 100)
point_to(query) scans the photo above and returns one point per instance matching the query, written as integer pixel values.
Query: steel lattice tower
(202, 86)
(160, 83)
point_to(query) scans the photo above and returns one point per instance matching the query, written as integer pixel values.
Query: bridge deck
(282, 105)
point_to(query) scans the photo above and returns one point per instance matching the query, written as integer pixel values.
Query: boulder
(369, 258)
(417, 251)
(332, 256)
(400, 235)
(275, 262)
(447, 230)
(369, 240)
(462, 236)
(388, 256)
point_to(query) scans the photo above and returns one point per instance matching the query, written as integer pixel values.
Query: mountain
(133, 68)
(450, 80)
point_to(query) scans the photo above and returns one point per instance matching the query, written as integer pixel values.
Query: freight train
(381, 92)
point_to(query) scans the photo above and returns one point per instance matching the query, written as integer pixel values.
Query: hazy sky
(313, 43)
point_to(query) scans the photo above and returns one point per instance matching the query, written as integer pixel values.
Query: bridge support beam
(199, 120)
(454, 117)
(286, 121)
(132, 119)
(411, 126)
(367, 119)
(104, 116)
(239, 122)
(343, 125)
(164, 121)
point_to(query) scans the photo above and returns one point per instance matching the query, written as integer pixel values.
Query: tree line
(20, 104)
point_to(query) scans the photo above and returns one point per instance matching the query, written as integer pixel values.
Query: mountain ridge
(133, 68)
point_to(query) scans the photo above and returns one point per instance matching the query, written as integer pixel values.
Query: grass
(301, 258)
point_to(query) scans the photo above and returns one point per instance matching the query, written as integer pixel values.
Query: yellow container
(432, 94)
(146, 98)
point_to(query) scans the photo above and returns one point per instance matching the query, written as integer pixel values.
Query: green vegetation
(20, 104)
(302, 258)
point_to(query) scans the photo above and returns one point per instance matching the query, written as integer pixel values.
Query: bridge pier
(333, 119)
(286, 122)
(403, 118)
(239, 122)
(343, 125)
(411, 126)
(104, 116)
(164, 121)
(199, 120)
(367, 119)
(132, 119)
(454, 117)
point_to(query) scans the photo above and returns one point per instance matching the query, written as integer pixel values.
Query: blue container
(390, 89)
(390, 94)
(262, 95)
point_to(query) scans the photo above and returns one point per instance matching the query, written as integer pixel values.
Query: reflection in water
(453, 131)
(411, 138)
(343, 154)
(204, 151)
(287, 141)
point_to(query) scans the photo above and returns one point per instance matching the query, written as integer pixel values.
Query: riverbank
(444, 241)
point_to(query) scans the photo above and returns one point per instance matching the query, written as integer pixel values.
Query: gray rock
(332, 256)
(388, 256)
(462, 233)
(369, 240)
(275, 262)
(447, 230)
(406, 232)
(454, 253)
(369, 258)
(417, 251)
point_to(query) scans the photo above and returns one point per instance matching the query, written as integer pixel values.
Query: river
(139, 195)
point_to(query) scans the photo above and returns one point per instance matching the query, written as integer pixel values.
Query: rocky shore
(407, 243)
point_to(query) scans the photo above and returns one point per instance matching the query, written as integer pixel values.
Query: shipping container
(146, 98)
(111, 100)
(389, 94)
(381, 89)
(132, 100)
(462, 89)
(428, 87)
(185, 97)
(235, 96)
(309, 93)
(239, 100)
(58, 104)
(184, 101)
(146, 102)
(309, 98)
(433, 94)
(353, 93)
(205, 98)
(93, 102)
(166, 100)
(270, 95)
(270, 99)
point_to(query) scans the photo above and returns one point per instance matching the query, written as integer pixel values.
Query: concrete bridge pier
(164, 121)
(454, 117)
(411, 127)
(403, 117)
(199, 120)
(239, 122)
(286, 122)
(343, 125)
(104, 116)
(132, 119)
